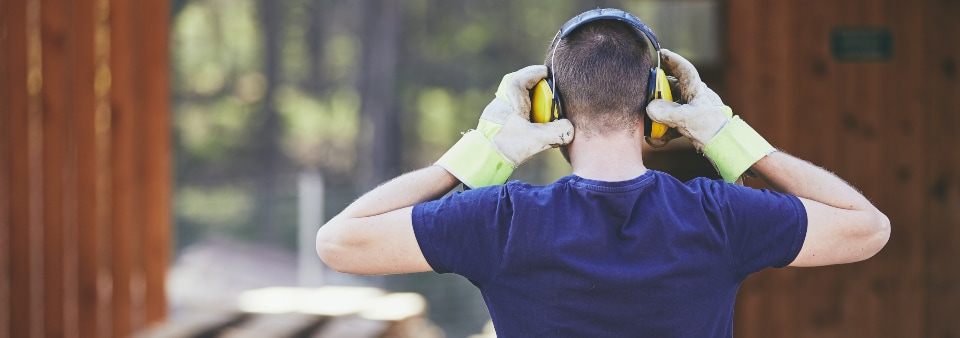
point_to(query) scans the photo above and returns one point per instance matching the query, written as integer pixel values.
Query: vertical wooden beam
(903, 100)
(812, 118)
(122, 147)
(81, 246)
(17, 137)
(16, 103)
(742, 28)
(762, 38)
(5, 111)
(941, 191)
(34, 176)
(157, 209)
(94, 171)
(857, 113)
(56, 45)
(775, 49)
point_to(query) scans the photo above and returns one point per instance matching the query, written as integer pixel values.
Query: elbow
(879, 234)
(330, 248)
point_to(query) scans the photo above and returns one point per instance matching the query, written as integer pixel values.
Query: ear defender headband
(546, 101)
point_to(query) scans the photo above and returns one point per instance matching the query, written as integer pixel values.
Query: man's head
(601, 71)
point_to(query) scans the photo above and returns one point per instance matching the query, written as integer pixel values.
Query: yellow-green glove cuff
(735, 148)
(475, 161)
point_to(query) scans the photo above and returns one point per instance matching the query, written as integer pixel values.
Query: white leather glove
(505, 138)
(731, 144)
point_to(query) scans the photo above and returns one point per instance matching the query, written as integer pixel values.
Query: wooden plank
(156, 166)
(814, 120)
(89, 238)
(278, 325)
(776, 48)
(55, 42)
(860, 124)
(33, 177)
(814, 117)
(742, 58)
(200, 324)
(779, 43)
(103, 194)
(123, 146)
(19, 237)
(942, 188)
(742, 29)
(765, 105)
(15, 135)
(93, 276)
(6, 89)
(81, 309)
(903, 101)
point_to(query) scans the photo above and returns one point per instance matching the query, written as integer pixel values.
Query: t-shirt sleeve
(764, 228)
(465, 232)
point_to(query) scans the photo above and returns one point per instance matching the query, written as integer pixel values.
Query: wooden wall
(84, 166)
(889, 128)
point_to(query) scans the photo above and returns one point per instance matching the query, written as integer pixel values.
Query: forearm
(842, 225)
(406, 190)
(788, 174)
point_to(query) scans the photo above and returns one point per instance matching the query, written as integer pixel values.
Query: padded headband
(603, 14)
(607, 14)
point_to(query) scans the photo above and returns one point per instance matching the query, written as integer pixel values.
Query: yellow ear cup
(541, 103)
(657, 130)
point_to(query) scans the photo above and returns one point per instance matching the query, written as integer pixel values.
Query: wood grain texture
(155, 238)
(6, 91)
(941, 183)
(883, 126)
(124, 143)
(55, 99)
(72, 167)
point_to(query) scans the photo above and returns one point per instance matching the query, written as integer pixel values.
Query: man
(613, 249)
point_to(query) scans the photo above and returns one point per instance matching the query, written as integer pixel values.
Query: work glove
(730, 144)
(671, 133)
(505, 137)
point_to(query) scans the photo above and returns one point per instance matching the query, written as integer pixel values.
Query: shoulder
(724, 197)
(478, 200)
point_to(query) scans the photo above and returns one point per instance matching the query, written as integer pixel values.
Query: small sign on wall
(861, 44)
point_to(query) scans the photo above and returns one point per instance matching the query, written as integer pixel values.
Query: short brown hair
(601, 71)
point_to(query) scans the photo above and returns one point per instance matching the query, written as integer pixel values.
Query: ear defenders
(547, 104)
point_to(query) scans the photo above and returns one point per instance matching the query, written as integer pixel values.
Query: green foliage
(206, 130)
(341, 57)
(223, 208)
(320, 131)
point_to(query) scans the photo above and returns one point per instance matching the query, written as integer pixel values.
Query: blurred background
(159, 159)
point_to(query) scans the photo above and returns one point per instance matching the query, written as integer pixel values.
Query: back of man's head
(601, 71)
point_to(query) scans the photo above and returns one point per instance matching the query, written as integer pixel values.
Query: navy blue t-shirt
(648, 257)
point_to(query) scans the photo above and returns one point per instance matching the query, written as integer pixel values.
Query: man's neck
(612, 157)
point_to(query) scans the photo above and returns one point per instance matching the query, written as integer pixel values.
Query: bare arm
(842, 225)
(374, 234)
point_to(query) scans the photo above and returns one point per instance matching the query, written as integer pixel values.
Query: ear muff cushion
(541, 103)
(661, 91)
(651, 94)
